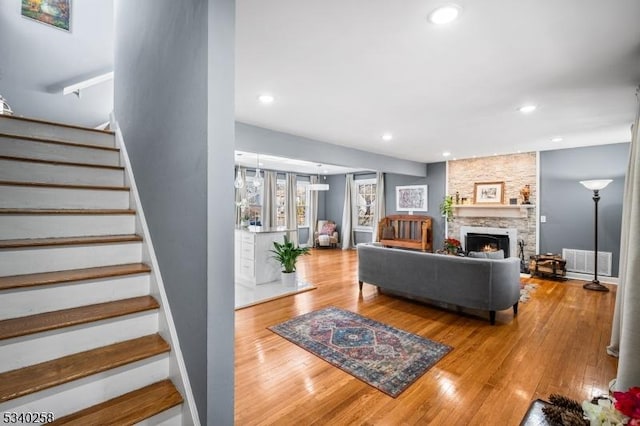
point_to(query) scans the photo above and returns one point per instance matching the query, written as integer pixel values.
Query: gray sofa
(485, 284)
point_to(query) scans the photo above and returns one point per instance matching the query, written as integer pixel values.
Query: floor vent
(582, 261)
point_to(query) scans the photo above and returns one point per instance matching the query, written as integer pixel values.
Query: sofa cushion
(328, 229)
(498, 254)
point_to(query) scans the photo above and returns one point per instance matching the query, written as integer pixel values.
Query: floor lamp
(595, 186)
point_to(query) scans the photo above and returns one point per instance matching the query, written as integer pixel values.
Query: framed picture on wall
(411, 198)
(488, 193)
(56, 13)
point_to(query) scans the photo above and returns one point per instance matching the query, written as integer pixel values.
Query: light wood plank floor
(555, 344)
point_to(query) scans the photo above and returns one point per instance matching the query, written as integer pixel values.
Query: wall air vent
(582, 261)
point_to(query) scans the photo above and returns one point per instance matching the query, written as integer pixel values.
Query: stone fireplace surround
(515, 171)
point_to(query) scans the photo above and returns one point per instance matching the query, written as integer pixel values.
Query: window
(280, 202)
(364, 202)
(302, 201)
(254, 199)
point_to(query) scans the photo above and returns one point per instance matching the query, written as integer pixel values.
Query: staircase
(85, 335)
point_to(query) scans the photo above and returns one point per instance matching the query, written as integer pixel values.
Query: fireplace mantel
(498, 210)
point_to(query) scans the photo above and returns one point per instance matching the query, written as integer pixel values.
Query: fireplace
(508, 237)
(487, 242)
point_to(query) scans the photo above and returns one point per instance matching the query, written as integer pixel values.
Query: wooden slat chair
(406, 231)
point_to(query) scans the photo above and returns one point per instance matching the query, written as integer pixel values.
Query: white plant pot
(289, 279)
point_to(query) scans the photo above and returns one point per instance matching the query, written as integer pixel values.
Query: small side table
(548, 266)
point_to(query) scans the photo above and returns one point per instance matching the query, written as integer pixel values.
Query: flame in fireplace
(490, 247)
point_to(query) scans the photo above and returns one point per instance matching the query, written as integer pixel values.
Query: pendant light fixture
(239, 182)
(318, 186)
(257, 179)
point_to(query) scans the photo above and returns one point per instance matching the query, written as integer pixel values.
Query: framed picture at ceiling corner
(56, 13)
(411, 198)
(488, 193)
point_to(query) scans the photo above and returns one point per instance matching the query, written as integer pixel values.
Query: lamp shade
(596, 184)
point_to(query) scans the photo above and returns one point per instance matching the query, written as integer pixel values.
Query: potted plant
(452, 246)
(287, 254)
(446, 207)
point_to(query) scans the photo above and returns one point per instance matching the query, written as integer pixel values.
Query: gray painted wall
(37, 60)
(568, 205)
(177, 120)
(257, 139)
(435, 179)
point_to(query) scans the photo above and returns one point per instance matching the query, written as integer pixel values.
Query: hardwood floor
(555, 344)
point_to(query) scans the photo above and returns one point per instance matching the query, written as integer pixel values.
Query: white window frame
(355, 205)
(303, 183)
(284, 204)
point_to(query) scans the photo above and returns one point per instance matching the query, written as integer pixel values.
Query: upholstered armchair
(326, 234)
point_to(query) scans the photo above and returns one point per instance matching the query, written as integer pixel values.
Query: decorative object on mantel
(488, 193)
(446, 207)
(56, 13)
(526, 194)
(595, 185)
(411, 198)
(452, 246)
(5, 109)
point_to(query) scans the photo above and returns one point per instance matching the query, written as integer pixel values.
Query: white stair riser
(49, 259)
(74, 396)
(28, 350)
(24, 171)
(53, 226)
(29, 197)
(51, 131)
(170, 417)
(34, 300)
(55, 152)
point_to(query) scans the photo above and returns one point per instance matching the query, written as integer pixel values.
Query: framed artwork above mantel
(488, 193)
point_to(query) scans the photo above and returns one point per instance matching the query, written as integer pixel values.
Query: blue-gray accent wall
(265, 141)
(569, 207)
(435, 179)
(174, 104)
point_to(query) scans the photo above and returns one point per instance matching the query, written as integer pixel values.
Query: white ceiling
(345, 72)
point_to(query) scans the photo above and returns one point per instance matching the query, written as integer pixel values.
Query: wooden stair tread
(68, 241)
(127, 409)
(27, 380)
(58, 142)
(55, 123)
(67, 211)
(43, 278)
(65, 186)
(59, 163)
(37, 323)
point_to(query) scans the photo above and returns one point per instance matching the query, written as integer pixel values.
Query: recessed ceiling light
(526, 109)
(558, 139)
(266, 98)
(387, 137)
(444, 14)
(446, 154)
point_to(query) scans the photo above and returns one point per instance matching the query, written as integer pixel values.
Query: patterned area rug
(380, 355)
